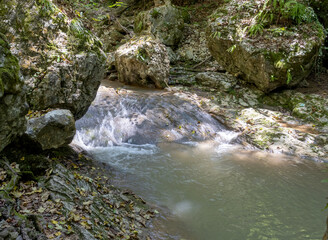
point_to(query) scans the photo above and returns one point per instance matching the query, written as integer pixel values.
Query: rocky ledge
(65, 195)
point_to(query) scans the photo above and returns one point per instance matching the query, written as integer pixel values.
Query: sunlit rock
(264, 53)
(143, 61)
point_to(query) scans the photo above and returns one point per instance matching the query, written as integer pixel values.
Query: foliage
(281, 12)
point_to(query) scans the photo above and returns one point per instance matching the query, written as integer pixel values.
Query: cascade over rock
(143, 61)
(13, 105)
(274, 57)
(164, 22)
(61, 62)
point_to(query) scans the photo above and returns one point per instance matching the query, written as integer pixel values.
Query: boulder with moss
(253, 40)
(164, 22)
(143, 61)
(61, 62)
(13, 105)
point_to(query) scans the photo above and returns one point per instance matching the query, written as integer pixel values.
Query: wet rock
(164, 22)
(53, 130)
(61, 62)
(143, 61)
(13, 106)
(272, 57)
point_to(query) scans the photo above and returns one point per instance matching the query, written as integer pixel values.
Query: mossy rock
(165, 22)
(276, 56)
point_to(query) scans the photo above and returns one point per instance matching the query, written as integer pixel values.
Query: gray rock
(143, 61)
(165, 22)
(52, 130)
(70, 86)
(274, 58)
(222, 81)
(13, 105)
(61, 62)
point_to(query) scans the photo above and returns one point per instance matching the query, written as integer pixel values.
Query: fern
(281, 12)
(256, 29)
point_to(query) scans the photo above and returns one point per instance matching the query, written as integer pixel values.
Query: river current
(194, 171)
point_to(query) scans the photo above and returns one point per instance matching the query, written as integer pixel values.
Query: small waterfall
(139, 118)
(174, 155)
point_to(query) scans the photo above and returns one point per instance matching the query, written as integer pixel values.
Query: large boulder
(52, 130)
(248, 41)
(61, 62)
(143, 61)
(164, 22)
(13, 105)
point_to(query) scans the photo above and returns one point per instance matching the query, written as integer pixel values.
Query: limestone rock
(52, 130)
(143, 61)
(13, 105)
(311, 108)
(61, 62)
(276, 56)
(164, 22)
(222, 81)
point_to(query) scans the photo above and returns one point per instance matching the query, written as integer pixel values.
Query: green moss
(155, 13)
(9, 69)
(139, 22)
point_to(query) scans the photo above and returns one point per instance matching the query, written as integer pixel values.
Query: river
(194, 171)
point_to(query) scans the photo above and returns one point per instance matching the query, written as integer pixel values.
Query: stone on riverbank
(52, 130)
(143, 61)
(274, 55)
(13, 105)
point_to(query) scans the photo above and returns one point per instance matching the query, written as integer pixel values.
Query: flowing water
(205, 185)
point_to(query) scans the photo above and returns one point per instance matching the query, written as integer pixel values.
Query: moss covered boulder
(164, 22)
(143, 61)
(257, 42)
(61, 62)
(13, 105)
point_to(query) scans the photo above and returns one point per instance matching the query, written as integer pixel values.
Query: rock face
(61, 62)
(53, 130)
(13, 105)
(270, 57)
(143, 61)
(164, 22)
